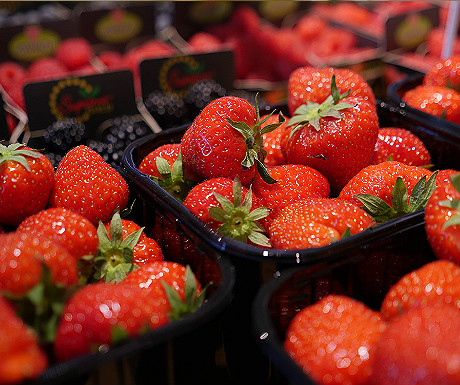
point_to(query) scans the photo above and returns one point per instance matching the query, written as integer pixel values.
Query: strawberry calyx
(172, 178)
(14, 153)
(255, 152)
(192, 301)
(452, 204)
(114, 259)
(312, 112)
(402, 204)
(238, 220)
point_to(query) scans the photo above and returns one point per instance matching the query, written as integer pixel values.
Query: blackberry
(54, 158)
(116, 137)
(169, 110)
(110, 153)
(202, 93)
(63, 135)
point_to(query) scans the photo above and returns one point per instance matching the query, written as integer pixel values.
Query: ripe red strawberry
(164, 165)
(228, 208)
(442, 214)
(438, 101)
(113, 60)
(45, 69)
(123, 247)
(316, 222)
(310, 26)
(11, 74)
(272, 142)
(21, 258)
(71, 230)
(104, 314)
(225, 140)
(74, 53)
(310, 84)
(399, 144)
(334, 340)
(168, 152)
(420, 347)
(390, 189)
(435, 40)
(437, 281)
(89, 186)
(173, 274)
(445, 72)
(324, 136)
(204, 42)
(20, 354)
(295, 182)
(26, 181)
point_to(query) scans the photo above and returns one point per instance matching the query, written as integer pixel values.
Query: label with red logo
(90, 99)
(177, 74)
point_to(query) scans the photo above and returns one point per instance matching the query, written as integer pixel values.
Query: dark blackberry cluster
(115, 138)
(170, 110)
(201, 94)
(63, 135)
(54, 158)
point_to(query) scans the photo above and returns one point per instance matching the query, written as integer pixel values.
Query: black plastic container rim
(265, 333)
(213, 306)
(414, 113)
(233, 248)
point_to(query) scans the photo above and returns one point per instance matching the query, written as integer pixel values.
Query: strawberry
(46, 68)
(310, 84)
(123, 247)
(71, 230)
(399, 144)
(89, 186)
(204, 42)
(21, 258)
(74, 53)
(228, 208)
(172, 282)
(434, 281)
(316, 222)
(294, 182)
(442, 215)
(390, 189)
(20, 354)
(310, 26)
(26, 181)
(11, 74)
(435, 100)
(170, 152)
(226, 140)
(272, 142)
(165, 167)
(445, 72)
(419, 347)
(103, 314)
(334, 340)
(337, 137)
(112, 60)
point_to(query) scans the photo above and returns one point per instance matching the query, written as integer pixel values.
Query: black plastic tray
(366, 275)
(253, 265)
(395, 93)
(442, 144)
(164, 352)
